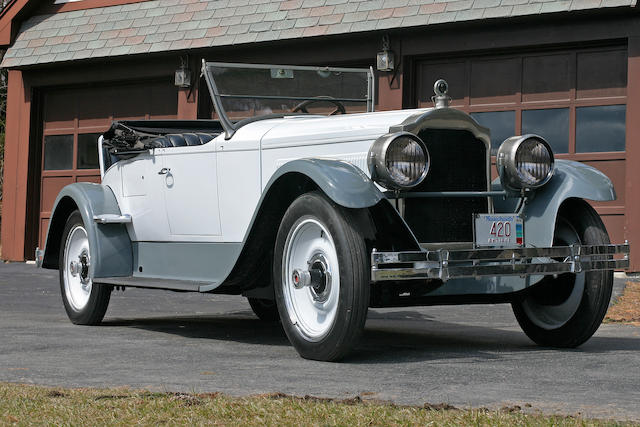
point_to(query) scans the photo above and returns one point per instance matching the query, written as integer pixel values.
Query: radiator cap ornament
(441, 99)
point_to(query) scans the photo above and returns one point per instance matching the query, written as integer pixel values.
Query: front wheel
(265, 309)
(85, 301)
(321, 277)
(566, 311)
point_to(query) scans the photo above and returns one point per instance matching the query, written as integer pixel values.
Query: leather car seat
(182, 139)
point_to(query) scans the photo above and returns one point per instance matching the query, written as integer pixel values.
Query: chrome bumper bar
(446, 264)
(39, 257)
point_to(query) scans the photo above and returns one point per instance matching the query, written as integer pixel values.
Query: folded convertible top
(136, 135)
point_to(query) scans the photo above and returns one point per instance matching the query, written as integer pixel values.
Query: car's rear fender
(571, 180)
(111, 254)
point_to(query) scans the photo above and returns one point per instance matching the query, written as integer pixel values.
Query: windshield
(245, 92)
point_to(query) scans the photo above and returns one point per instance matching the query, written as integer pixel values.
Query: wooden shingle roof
(166, 25)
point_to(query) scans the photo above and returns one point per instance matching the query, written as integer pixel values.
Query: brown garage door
(72, 121)
(576, 99)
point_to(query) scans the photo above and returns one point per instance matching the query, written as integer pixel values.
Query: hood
(303, 130)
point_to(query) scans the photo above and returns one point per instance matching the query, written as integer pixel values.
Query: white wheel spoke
(77, 259)
(312, 309)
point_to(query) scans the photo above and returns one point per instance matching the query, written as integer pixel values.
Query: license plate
(498, 230)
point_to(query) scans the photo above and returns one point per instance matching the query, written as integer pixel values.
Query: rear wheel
(86, 302)
(566, 311)
(321, 277)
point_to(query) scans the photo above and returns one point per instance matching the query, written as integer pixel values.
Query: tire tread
(344, 336)
(598, 287)
(98, 303)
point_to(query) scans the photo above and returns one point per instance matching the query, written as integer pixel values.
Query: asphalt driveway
(464, 356)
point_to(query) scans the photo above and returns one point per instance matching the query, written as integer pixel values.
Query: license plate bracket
(498, 230)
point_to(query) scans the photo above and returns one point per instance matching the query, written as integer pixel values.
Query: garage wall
(575, 98)
(73, 119)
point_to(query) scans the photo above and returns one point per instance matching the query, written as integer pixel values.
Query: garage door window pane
(600, 128)
(552, 124)
(501, 123)
(88, 151)
(58, 152)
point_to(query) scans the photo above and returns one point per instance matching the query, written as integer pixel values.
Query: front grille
(458, 163)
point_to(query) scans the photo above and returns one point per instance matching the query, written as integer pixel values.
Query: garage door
(72, 121)
(576, 99)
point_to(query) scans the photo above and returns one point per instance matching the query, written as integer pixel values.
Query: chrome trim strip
(435, 194)
(495, 270)
(457, 263)
(434, 246)
(112, 219)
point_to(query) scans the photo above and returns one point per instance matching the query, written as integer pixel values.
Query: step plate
(158, 283)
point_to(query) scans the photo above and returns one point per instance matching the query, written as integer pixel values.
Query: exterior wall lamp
(385, 60)
(183, 74)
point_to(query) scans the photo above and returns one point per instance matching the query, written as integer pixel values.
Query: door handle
(164, 171)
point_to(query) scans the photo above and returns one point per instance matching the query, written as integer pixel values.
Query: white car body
(232, 173)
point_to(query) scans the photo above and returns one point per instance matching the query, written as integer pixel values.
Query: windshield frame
(230, 127)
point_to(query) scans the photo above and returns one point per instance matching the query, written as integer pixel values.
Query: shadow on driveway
(385, 340)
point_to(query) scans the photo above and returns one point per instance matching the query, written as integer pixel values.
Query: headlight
(398, 160)
(524, 162)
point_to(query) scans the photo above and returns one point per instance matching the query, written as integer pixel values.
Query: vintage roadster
(301, 198)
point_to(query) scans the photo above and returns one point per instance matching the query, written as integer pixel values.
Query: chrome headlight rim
(506, 163)
(377, 161)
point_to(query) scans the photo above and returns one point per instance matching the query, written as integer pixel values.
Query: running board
(158, 283)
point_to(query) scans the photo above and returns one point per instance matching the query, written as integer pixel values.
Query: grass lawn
(627, 308)
(23, 404)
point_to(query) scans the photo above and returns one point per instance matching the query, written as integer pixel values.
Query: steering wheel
(302, 107)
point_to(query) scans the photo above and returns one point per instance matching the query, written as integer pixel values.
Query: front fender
(111, 253)
(570, 180)
(341, 181)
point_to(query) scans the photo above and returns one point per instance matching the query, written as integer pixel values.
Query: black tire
(95, 308)
(350, 303)
(265, 309)
(547, 298)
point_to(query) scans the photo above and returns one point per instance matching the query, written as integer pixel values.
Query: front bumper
(39, 257)
(446, 264)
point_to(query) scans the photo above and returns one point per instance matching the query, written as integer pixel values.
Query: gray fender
(570, 180)
(341, 181)
(111, 253)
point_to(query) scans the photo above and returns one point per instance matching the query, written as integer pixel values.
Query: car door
(189, 184)
(140, 195)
